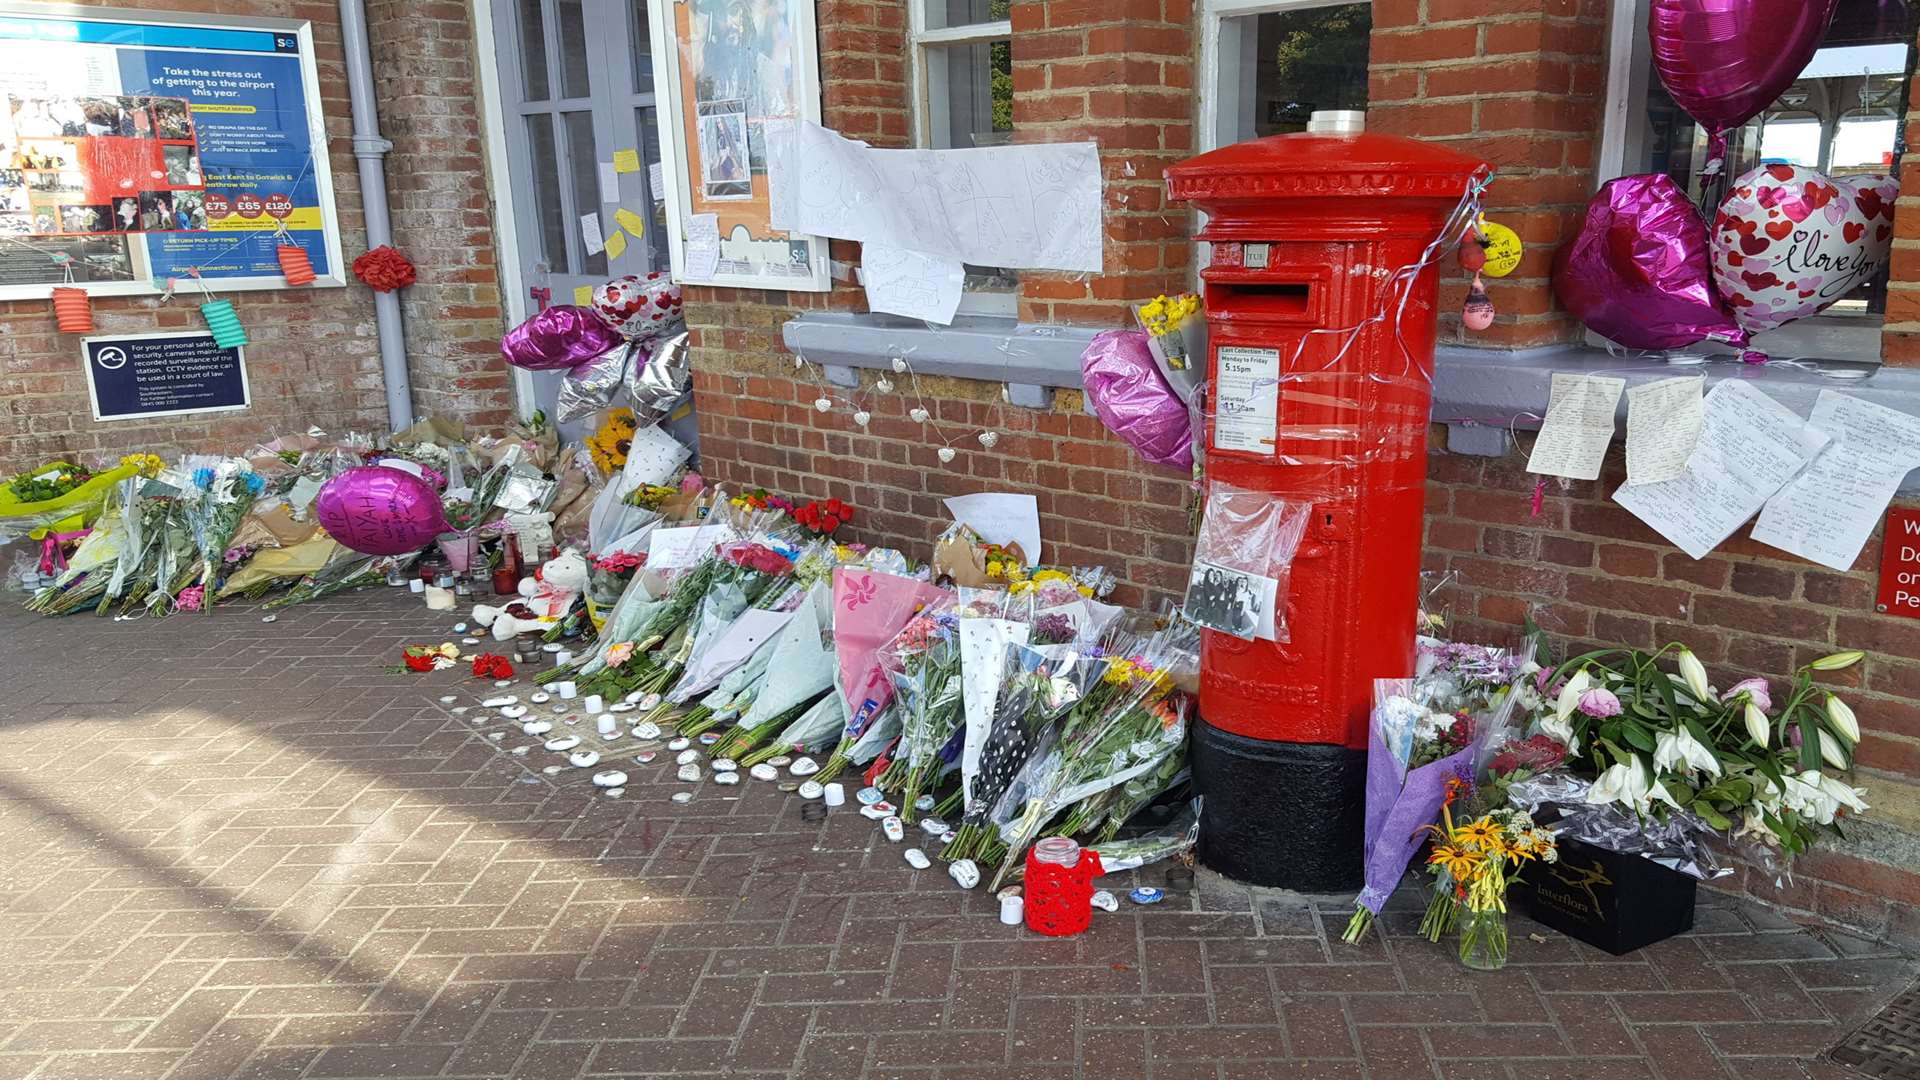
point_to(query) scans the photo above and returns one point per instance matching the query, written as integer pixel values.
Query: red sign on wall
(1900, 564)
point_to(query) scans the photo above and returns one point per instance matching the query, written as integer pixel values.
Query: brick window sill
(1480, 394)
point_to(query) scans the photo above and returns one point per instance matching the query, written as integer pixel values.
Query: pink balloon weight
(558, 337)
(1789, 242)
(1725, 60)
(1131, 398)
(1637, 271)
(376, 510)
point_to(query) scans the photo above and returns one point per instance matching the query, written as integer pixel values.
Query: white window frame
(1227, 60)
(1623, 150)
(927, 63)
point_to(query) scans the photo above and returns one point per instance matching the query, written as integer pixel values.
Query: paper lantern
(295, 264)
(72, 311)
(225, 323)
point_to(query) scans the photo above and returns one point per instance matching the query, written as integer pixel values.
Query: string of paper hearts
(945, 448)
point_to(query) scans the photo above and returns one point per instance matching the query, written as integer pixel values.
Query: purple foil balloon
(1637, 273)
(559, 337)
(1725, 60)
(1134, 401)
(376, 510)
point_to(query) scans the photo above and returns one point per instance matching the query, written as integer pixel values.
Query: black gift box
(1611, 901)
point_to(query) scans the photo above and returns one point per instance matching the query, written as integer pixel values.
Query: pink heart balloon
(1788, 242)
(1725, 60)
(377, 510)
(1637, 271)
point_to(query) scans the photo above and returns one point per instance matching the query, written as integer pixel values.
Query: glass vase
(1483, 938)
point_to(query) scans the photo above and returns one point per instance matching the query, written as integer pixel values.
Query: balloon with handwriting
(376, 510)
(1788, 241)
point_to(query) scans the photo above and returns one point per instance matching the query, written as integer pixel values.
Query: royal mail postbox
(1320, 341)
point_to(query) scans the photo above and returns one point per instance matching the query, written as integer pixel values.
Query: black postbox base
(1285, 815)
(1614, 902)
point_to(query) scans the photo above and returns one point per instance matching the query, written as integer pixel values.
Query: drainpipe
(370, 151)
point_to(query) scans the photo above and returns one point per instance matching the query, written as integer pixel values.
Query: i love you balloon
(379, 510)
(1789, 241)
(1637, 271)
(640, 307)
(1725, 60)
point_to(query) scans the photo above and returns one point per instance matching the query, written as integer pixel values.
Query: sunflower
(1460, 863)
(1481, 835)
(610, 444)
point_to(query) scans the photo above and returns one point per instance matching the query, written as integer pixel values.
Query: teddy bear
(545, 598)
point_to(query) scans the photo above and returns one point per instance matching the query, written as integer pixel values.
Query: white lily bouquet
(1661, 743)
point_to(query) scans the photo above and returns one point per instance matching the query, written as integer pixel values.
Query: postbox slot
(1265, 301)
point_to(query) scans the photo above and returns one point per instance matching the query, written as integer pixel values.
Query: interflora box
(1611, 901)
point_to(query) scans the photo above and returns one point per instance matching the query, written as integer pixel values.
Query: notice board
(137, 376)
(137, 146)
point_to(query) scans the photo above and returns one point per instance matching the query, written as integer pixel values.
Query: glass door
(577, 78)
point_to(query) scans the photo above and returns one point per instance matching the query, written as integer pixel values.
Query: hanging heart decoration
(1788, 241)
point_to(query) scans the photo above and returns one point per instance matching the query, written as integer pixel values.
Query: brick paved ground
(230, 848)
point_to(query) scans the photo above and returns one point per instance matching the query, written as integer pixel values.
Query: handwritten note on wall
(1663, 423)
(1827, 512)
(1749, 447)
(1578, 426)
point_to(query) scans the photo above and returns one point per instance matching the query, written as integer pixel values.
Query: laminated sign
(1247, 400)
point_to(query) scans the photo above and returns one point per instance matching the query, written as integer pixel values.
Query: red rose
(419, 662)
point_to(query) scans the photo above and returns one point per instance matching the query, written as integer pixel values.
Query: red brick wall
(1594, 576)
(423, 57)
(312, 357)
(1520, 83)
(1517, 81)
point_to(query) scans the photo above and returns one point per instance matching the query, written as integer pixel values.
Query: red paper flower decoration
(383, 269)
(491, 666)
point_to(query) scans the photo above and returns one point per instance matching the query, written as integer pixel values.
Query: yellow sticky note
(616, 244)
(631, 222)
(583, 296)
(626, 161)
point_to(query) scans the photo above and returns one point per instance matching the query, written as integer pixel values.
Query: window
(1270, 64)
(1843, 116)
(963, 82)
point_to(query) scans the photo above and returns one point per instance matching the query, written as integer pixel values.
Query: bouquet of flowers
(869, 610)
(923, 663)
(798, 672)
(1143, 723)
(1037, 690)
(1660, 743)
(1423, 733)
(1473, 865)
(221, 493)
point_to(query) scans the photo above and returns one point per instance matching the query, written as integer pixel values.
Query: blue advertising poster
(134, 151)
(145, 375)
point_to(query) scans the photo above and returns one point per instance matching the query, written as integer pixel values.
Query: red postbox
(1310, 232)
